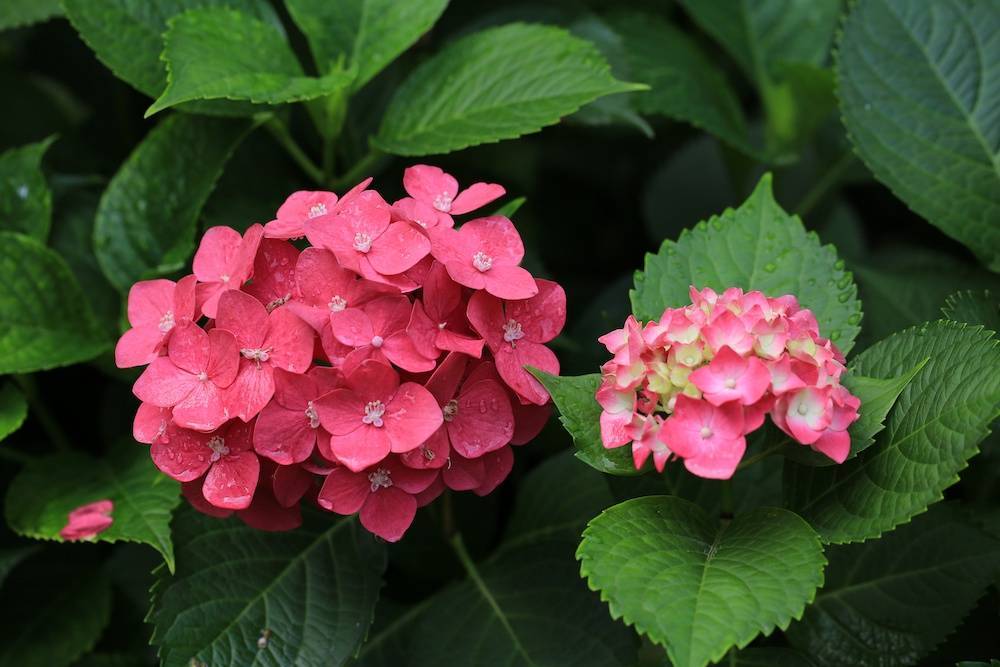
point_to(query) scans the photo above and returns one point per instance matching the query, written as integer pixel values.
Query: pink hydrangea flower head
(226, 455)
(192, 378)
(289, 222)
(804, 414)
(628, 345)
(438, 323)
(383, 494)
(730, 377)
(516, 332)
(617, 410)
(366, 241)
(278, 339)
(325, 287)
(273, 281)
(87, 521)
(150, 423)
(155, 307)
(437, 190)
(485, 253)
(646, 440)
(373, 414)
(728, 330)
(288, 427)
(378, 330)
(223, 262)
(709, 438)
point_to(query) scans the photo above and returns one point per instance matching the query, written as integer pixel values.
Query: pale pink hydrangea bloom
(693, 384)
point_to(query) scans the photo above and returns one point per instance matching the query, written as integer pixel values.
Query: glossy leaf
(25, 200)
(147, 218)
(45, 320)
(932, 432)
(41, 497)
(698, 588)
(496, 84)
(757, 246)
(974, 308)
(919, 91)
(13, 409)
(17, 13)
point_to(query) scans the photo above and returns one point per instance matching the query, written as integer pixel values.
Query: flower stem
(364, 167)
(280, 132)
(825, 183)
(41, 412)
(760, 456)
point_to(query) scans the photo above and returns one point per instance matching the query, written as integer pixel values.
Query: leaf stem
(41, 412)
(823, 186)
(366, 166)
(760, 456)
(280, 132)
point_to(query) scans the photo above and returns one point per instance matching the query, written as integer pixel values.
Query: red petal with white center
(162, 384)
(411, 417)
(388, 513)
(484, 421)
(283, 435)
(243, 316)
(361, 448)
(510, 282)
(476, 196)
(231, 481)
(511, 362)
(343, 491)
(182, 454)
(289, 341)
(399, 248)
(251, 390)
(543, 316)
(138, 346)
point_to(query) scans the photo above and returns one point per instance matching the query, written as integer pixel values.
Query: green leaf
(525, 605)
(877, 395)
(365, 35)
(219, 53)
(890, 602)
(934, 429)
(684, 83)
(758, 34)
(510, 208)
(580, 415)
(45, 321)
(757, 247)
(147, 218)
(53, 611)
(13, 409)
(25, 200)
(696, 587)
(41, 497)
(243, 596)
(974, 308)
(922, 114)
(495, 84)
(800, 101)
(17, 13)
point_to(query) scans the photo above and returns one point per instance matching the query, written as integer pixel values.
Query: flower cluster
(364, 373)
(695, 383)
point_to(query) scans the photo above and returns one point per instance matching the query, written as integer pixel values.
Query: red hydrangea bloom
(87, 521)
(367, 373)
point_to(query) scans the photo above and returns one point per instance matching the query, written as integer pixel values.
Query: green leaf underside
(877, 395)
(981, 307)
(147, 218)
(526, 605)
(667, 568)
(919, 88)
(496, 84)
(933, 430)
(25, 199)
(892, 601)
(41, 497)
(221, 53)
(757, 247)
(17, 13)
(127, 36)
(759, 34)
(685, 84)
(313, 590)
(364, 34)
(580, 415)
(52, 611)
(45, 320)
(13, 409)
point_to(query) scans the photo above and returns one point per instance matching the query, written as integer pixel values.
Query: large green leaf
(580, 415)
(45, 321)
(697, 587)
(757, 247)
(364, 34)
(934, 429)
(127, 35)
(759, 34)
(525, 606)
(219, 53)
(147, 218)
(974, 308)
(495, 84)
(25, 200)
(41, 497)
(52, 611)
(16, 13)
(919, 88)
(13, 409)
(891, 601)
(242, 596)
(684, 83)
